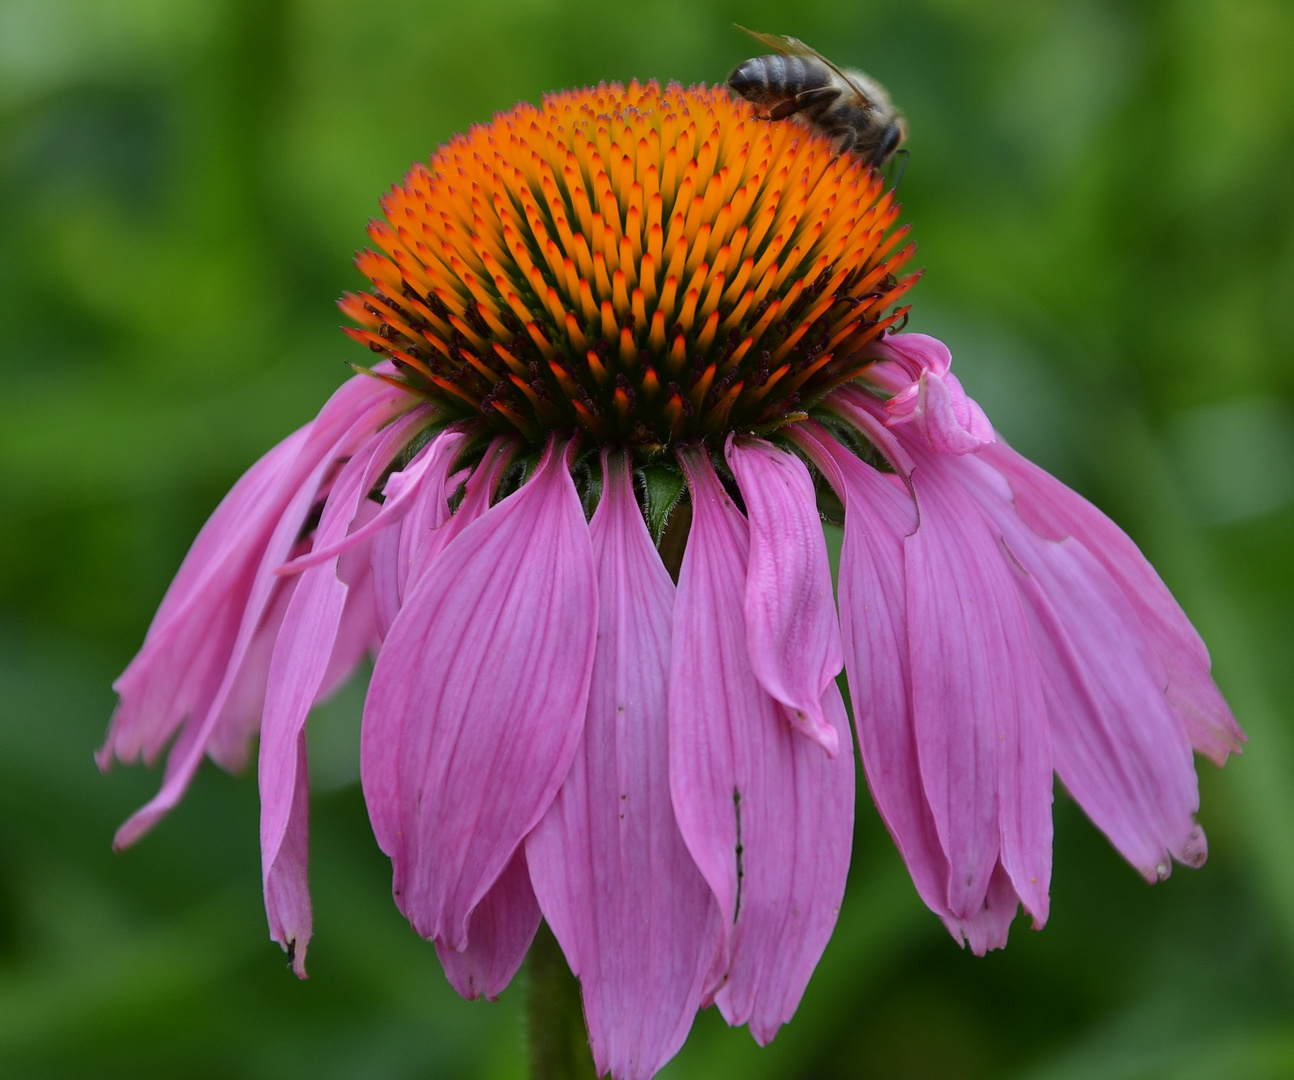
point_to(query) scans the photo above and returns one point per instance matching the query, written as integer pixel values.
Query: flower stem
(559, 1048)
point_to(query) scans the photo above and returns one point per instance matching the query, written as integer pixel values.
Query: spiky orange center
(643, 264)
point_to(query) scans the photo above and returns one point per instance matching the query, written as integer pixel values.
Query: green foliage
(1101, 191)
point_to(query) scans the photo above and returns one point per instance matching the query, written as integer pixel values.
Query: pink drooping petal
(230, 741)
(240, 524)
(246, 511)
(795, 862)
(1054, 511)
(401, 552)
(287, 895)
(185, 653)
(792, 634)
(767, 816)
(424, 538)
(357, 634)
(384, 556)
(874, 627)
(988, 928)
(634, 917)
(421, 536)
(417, 502)
(188, 750)
(867, 414)
(977, 696)
(1116, 742)
(478, 696)
(499, 934)
(933, 401)
(304, 647)
(400, 486)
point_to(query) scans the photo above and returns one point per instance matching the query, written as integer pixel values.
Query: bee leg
(847, 141)
(822, 95)
(894, 185)
(783, 109)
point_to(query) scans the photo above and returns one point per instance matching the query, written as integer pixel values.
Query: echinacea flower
(637, 320)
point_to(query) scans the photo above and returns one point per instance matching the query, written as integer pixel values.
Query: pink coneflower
(638, 321)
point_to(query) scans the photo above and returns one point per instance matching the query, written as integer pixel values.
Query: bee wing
(779, 42)
(790, 46)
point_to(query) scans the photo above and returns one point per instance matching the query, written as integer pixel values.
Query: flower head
(642, 265)
(627, 314)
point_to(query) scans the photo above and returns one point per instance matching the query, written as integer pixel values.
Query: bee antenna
(902, 168)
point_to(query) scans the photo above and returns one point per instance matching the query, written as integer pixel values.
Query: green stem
(559, 1047)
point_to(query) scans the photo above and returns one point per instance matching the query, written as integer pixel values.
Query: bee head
(891, 139)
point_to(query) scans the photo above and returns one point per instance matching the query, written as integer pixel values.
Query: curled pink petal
(949, 421)
(485, 673)
(933, 402)
(634, 917)
(1054, 511)
(792, 634)
(767, 816)
(499, 934)
(901, 359)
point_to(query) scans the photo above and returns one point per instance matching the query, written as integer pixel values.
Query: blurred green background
(1103, 194)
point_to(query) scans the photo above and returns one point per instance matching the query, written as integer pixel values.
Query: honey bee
(844, 105)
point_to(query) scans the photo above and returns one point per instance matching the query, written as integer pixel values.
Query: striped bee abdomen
(799, 83)
(764, 80)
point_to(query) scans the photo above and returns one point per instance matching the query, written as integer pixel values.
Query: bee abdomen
(774, 78)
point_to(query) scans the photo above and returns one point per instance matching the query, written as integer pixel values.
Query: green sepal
(663, 486)
(586, 472)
